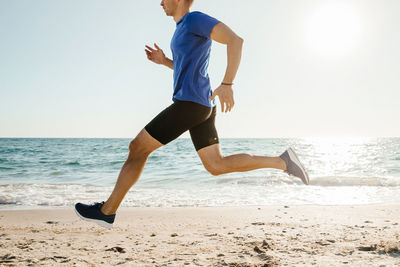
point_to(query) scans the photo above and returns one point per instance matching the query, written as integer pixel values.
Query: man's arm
(223, 34)
(169, 63)
(158, 56)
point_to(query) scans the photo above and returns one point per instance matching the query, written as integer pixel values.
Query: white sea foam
(323, 192)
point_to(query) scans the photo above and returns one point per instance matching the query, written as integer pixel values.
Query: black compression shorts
(182, 116)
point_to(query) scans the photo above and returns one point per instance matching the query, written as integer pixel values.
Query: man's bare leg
(139, 150)
(217, 164)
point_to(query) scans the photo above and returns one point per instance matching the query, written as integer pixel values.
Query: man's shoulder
(194, 15)
(200, 23)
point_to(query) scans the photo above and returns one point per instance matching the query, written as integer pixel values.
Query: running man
(193, 109)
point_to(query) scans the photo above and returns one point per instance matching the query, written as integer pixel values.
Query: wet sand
(366, 235)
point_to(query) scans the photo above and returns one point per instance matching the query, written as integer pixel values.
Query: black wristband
(226, 83)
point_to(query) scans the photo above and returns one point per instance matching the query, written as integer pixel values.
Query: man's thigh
(176, 119)
(205, 134)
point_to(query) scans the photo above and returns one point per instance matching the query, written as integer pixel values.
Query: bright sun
(333, 29)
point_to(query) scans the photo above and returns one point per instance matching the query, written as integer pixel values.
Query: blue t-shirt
(191, 46)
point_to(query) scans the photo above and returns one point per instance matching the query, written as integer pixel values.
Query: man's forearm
(234, 50)
(169, 63)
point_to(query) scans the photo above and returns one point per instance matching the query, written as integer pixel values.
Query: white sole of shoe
(99, 222)
(296, 160)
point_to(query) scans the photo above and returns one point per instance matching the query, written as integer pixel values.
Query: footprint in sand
(7, 258)
(117, 249)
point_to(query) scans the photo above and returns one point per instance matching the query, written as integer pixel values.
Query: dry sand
(218, 236)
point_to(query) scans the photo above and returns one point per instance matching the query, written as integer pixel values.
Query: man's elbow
(241, 41)
(237, 41)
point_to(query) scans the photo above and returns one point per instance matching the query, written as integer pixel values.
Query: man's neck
(180, 13)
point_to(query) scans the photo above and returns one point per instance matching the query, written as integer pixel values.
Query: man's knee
(215, 168)
(138, 149)
(143, 145)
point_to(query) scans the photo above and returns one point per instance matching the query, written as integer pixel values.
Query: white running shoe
(294, 166)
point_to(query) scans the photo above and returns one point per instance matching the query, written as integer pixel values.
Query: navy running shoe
(294, 166)
(93, 213)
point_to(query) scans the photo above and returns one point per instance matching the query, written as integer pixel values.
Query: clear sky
(78, 68)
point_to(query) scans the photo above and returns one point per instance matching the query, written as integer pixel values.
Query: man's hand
(155, 55)
(225, 95)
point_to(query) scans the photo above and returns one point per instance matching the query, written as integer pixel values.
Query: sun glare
(333, 29)
(337, 153)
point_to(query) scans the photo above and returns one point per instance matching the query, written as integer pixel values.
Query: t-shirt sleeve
(201, 24)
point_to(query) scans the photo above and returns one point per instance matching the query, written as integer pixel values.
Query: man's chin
(167, 13)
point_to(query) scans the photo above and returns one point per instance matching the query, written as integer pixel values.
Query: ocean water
(53, 172)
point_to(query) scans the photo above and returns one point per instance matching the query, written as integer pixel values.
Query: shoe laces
(98, 204)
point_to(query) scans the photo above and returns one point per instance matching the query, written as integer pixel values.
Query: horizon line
(272, 137)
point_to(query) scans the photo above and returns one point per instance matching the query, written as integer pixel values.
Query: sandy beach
(216, 236)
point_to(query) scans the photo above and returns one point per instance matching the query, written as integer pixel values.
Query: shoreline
(300, 235)
(11, 207)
